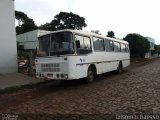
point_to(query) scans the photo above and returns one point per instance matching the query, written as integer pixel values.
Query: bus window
(123, 47)
(98, 44)
(107, 45)
(111, 45)
(117, 47)
(85, 44)
(61, 43)
(127, 48)
(80, 39)
(44, 45)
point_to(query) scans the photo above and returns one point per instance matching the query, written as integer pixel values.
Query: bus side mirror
(77, 43)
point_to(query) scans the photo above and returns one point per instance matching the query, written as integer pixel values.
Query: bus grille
(52, 67)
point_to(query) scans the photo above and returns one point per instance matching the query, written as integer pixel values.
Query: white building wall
(8, 48)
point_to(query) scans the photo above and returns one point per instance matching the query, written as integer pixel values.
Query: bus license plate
(49, 75)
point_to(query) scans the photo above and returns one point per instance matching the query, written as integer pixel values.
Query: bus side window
(117, 47)
(107, 45)
(84, 46)
(111, 46)
(87, 43)
(123, 47)
(80, 40)
(98, 44)
(127, 48)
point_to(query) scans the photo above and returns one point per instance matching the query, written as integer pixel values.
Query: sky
(121, 16)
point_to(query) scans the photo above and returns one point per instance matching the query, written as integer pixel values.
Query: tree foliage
(46, 26)
(25, 23)
(158, 49)
(21, 17)
(65, 20)
(138, 44)
(110, 34)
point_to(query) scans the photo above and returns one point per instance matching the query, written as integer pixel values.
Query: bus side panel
(125, 59)
(77, 69)
(104, 62)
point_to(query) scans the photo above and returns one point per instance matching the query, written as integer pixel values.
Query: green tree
(25, 23)
(138, 44)
(46, 26)
(156, 49)
(21, 17)
(110, 34)
(65, 20)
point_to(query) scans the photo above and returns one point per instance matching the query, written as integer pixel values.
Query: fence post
(30, 62)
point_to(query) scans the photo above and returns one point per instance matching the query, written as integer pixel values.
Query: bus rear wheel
(91, 75)
(120, 68)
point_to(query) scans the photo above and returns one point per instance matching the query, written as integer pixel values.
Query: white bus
(75, 54)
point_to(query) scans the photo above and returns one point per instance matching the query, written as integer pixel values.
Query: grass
(17, 88)
(10, 89)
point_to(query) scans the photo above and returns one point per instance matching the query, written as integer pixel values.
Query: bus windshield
(60, 43)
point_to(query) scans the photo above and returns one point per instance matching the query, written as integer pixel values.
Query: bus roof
(86, 33)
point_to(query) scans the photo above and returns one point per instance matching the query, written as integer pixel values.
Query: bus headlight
(36, 61)
(65, 76)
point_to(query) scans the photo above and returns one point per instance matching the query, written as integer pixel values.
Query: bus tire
(120, 67)
(91, 75)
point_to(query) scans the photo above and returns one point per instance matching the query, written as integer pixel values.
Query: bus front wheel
(91, 74)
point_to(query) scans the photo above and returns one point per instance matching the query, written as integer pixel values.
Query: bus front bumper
(53, 76)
